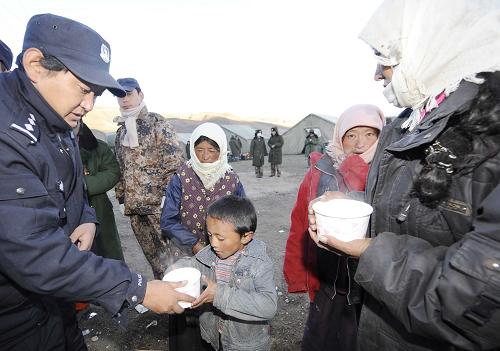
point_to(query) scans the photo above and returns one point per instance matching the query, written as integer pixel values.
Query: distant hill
(102, 119)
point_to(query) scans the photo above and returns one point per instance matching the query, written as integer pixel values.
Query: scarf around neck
(209, 173)
(129, 116)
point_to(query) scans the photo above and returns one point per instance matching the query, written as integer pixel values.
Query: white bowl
(192, 288)
(343, 219)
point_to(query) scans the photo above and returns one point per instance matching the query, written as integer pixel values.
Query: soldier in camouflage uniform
(148, 153)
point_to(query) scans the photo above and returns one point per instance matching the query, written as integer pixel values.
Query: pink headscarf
(355, 116)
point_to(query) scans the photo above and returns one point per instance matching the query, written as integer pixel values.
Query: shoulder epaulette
(29, 129)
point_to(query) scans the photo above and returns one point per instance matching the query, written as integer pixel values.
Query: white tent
(244, 132)
(295, 137)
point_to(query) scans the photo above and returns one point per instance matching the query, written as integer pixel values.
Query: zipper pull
(404, 213)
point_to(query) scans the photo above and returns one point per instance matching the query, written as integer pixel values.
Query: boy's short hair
(238, 211)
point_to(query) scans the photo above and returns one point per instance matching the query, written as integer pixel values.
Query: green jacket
(101, 174)
(311, 144)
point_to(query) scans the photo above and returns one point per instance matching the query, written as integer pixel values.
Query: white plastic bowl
(192, 275)
(343, 219)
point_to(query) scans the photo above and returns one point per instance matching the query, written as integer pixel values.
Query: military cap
(80, 48)
(5, 55)
(129, 84)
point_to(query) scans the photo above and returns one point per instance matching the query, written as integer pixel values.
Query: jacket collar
(325, 165)
(38, 103)
(255, 249)
(437, 119)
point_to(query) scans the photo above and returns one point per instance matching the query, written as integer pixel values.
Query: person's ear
(31, 63)
(141, 95)
(246, 238)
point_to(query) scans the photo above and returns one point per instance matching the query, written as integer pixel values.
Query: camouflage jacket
(146, 169)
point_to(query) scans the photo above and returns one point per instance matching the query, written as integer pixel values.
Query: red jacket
(300, 256)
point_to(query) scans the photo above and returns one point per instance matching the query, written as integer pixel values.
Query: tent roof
(244, 131)
(329, 119)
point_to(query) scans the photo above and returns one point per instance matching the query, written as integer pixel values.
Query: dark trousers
(258, 172)
(275, 170)
(58, 332)
(332, 324)
(184, 332)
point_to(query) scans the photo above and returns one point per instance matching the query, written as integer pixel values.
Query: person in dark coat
(275, 143)
(258, 151)
(235, 148)
(188, 150)
(5, 57)
(47, 225)
(240, 145)
(101, 172)
(430, 268)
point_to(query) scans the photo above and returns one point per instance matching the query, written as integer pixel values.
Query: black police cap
(129, 84)
(80, 48)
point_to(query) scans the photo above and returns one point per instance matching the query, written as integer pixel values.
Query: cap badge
(105, 53)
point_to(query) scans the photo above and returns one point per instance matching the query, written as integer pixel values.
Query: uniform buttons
(20, 191)
(496, 265)
(238, 281)
(134, 299)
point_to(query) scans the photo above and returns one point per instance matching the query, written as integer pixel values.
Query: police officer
(5, 57)
(46, 225)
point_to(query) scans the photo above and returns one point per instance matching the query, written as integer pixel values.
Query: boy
(240, 296)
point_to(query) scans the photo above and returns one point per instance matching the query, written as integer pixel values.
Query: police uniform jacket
(42, 200)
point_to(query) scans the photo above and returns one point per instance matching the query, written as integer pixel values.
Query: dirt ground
(273, 199)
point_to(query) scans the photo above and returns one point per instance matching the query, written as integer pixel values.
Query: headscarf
(210, 173)
(355, 116)
(432, 45)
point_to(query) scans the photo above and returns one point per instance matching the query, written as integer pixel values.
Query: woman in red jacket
(335, 297)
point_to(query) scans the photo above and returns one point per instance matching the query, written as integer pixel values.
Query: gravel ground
(273, 199)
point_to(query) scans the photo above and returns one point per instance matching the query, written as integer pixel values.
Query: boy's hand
(208, 294)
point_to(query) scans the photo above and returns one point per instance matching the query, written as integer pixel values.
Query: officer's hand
(162, 298)
(83, 236)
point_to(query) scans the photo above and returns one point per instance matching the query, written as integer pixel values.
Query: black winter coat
(42, 200)
(275, 143)
(421, 294)
(257, 151)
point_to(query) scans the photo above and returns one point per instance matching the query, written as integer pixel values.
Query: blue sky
(278, 59)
